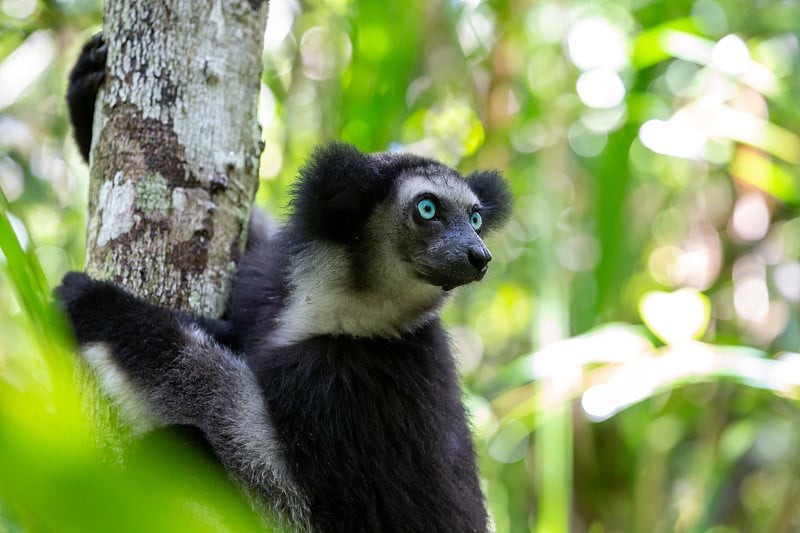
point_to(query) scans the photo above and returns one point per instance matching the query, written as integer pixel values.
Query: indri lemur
(333, 396)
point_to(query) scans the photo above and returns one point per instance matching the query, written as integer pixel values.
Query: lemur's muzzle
(468, 261)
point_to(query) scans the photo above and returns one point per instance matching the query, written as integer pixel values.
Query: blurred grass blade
(23, 267)
(49, 327)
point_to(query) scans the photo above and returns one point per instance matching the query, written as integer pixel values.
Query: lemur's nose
(479, 257)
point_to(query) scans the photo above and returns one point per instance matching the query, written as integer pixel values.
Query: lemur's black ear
(495, 196)
(336, 192)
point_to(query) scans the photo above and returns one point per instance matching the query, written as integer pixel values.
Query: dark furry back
(259, 291)
(375, 432)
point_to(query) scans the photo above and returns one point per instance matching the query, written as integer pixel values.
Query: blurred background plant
(632, 358)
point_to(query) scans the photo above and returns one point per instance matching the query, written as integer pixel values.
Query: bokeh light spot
(730, 55)
(750, 220)
(600, 88)
(594, 43)
(675, 317)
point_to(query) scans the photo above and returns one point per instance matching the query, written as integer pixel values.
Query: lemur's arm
(84, 81)
(165, 367)
(158, 365)
(172, 367)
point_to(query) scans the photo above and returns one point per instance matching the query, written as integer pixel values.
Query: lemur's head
(404, 218)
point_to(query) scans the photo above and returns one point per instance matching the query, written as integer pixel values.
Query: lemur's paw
(73, 286)
(137, 333)
(96, 309)
(81, 294)
(97, 50)
(89, 71)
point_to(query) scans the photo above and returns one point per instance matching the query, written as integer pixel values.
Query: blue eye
(427, 209)
(476, 221)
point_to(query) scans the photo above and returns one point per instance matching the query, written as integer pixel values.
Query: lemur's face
(443, 220)
(408, 223)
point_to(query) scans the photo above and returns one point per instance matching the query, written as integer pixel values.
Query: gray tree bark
(176, 148)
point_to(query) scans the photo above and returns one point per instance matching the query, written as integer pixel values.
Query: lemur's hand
(102, 312)
(84, 81)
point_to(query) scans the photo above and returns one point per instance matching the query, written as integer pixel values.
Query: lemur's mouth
(450, 280)
(451, 272)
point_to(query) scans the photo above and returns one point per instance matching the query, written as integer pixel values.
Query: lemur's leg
(84, 81)
(158, 364)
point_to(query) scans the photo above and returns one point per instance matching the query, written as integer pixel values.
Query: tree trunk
(176, 148)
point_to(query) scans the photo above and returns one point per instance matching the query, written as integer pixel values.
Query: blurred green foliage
(632, 357)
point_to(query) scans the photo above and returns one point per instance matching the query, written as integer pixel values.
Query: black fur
(378, 437)
(258, 291)
(102, 312)
(373, 429)
(370, 430)
(336, 192)
(84, 81)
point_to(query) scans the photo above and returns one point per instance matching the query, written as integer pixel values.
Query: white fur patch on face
(116, 386)
(323, 300)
